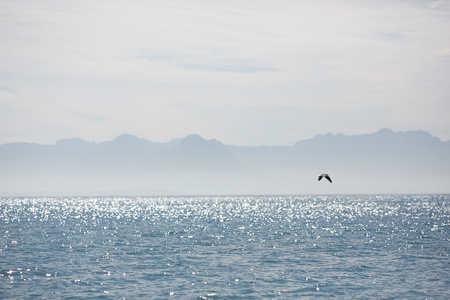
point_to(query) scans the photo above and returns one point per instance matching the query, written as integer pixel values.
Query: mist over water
(385, 162)
(249, 247)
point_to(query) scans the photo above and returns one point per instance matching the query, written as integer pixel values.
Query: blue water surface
(236, 247)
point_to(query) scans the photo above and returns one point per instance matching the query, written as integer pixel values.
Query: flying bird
(326, 176)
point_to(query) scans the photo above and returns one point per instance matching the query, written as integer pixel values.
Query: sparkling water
(236, 247)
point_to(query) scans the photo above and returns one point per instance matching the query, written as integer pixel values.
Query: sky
(266, 72)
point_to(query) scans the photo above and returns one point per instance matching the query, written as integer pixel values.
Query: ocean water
(237, 247)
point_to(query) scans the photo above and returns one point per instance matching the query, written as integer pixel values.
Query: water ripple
(349, 246)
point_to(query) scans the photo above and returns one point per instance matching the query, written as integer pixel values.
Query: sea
(226, 247)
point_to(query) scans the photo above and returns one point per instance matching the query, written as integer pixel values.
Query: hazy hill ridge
(411, 161)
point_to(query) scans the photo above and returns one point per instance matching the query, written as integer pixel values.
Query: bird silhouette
(326, 176)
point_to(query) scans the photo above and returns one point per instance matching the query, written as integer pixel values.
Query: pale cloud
(252, 72)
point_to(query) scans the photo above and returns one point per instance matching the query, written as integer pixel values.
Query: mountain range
(381, 162)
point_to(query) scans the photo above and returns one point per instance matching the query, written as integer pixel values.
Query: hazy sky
(243, 72)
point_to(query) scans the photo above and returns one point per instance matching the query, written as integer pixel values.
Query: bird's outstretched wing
(329, 179)
(320, 177)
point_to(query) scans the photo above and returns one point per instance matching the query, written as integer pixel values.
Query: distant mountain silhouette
(197, 153)
(73, 142)
(392, 162)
